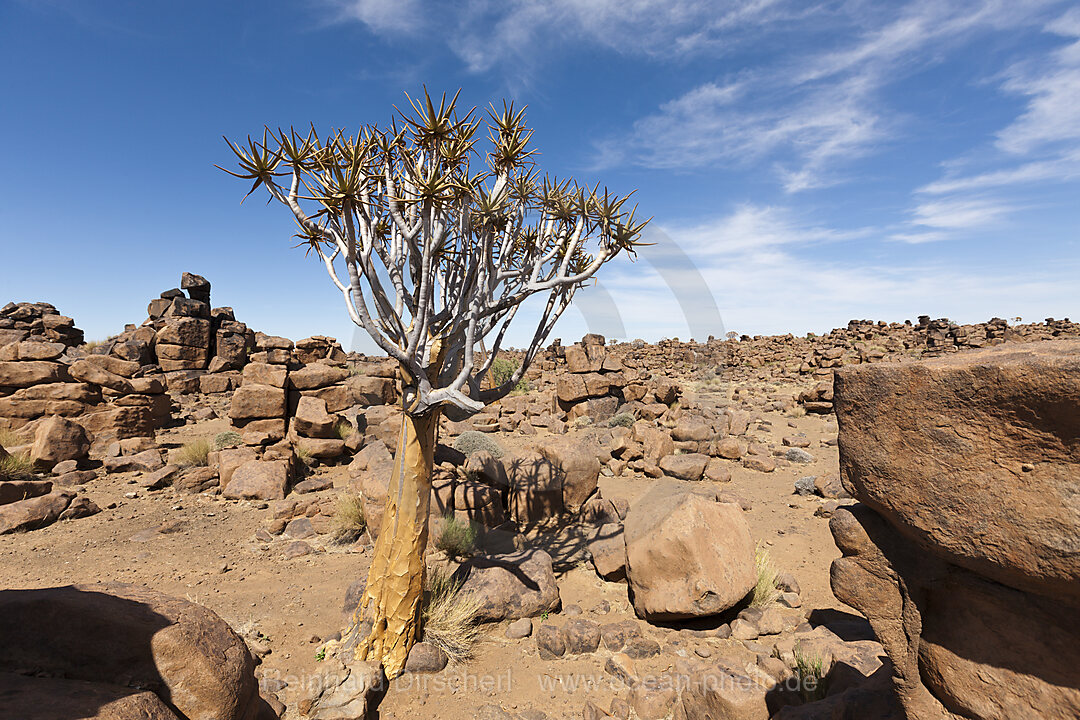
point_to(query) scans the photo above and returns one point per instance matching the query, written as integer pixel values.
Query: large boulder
(37, 698)
(973, 455)
(577, 466)
(511, 585)
(312, 420)
(536, 487)
(132, 637)
(259, 480)
(34, 372)
(963, 553)
(687, 555)
(251, 401)
(370, 472)
(58, 439)
(34, 513)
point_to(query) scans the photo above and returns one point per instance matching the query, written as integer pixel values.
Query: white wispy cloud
(814, 114)
(763, 270)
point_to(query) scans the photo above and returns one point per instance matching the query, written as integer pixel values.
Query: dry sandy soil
(212, 556)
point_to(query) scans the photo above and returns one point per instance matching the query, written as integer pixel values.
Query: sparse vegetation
(456, 538)
(449, 617)
(623, 419)
(349, 520)
(227, 439)
(10, 439)
(796, 412)
(343, 429)
(811, 670)
(194, 453)
(472, 441)
(502, 370)
(765, 593)
(305, 457)
(581, 422)
(16, 466)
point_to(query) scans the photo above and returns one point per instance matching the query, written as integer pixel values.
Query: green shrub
(227, 439)
(456, 538)
(472, 441)
(811, 671)
(194, 453)
(623, 419)
(583, 421)
(502, 369)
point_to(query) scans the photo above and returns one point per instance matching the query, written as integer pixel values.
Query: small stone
(798, 455)
(550, 642)
(743, 630)
(581, 636)
(426, 658)
(519, 629)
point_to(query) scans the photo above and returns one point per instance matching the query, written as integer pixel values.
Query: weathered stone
(259, 480)
(257, 401)
(265, 374)
(687, 466)
(426, 658)
(367, 390)
(24, 374)
(687, 556)
(33, 513)
(486, 469)
(145, 461)
(550, 642)
(190, 331)
(130, 635)
(581, 635)
(536, 488)
(519, 629)
(312, 420)
(577, 466)
(607, 549)
(37, 698)
(510, 586)
(317, 375)
(938, 447)
(15, 490)
(58, 439)
(123, 368)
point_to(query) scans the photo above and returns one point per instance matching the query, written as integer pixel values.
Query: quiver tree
(434, 246)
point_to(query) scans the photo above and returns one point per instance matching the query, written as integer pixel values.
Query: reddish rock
(687, 555)
(58, 439)
(259, 480)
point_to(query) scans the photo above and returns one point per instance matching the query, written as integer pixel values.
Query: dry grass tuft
(194, 453)
(449, 617)
(343, 429)
(16, 467)
(349, 520)
(765, 593)
(9, 439)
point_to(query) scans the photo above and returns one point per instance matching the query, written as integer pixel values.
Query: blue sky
(804, 163)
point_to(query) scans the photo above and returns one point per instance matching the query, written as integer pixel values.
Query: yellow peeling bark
(395, 586)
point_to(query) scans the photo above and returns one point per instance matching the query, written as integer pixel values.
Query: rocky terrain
(877, 521)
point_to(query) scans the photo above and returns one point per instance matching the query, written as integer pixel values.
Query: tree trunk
(390, 610)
